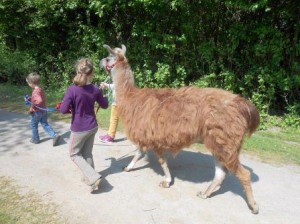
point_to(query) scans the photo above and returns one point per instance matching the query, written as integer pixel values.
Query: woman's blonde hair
(33, 78)
(84, 68)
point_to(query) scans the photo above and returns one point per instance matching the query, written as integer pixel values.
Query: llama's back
(160, 118)
(175, 118)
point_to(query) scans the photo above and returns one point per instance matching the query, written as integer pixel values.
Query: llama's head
(115, 56)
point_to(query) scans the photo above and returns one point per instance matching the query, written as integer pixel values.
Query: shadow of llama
(168, 120)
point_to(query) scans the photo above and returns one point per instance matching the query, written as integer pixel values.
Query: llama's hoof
(126, 169)
(254, 209)
(201, 195)
(164, 184)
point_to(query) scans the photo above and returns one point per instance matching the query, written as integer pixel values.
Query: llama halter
(108, 68)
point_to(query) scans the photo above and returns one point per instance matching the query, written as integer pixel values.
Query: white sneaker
(95, 186)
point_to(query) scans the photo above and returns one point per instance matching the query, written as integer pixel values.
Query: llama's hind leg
(244, 176)
(164, 165)
(136, 157)
(220, 174)
(233, 165)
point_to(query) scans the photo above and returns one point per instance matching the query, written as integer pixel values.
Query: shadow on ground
(188, 166)
(15, 132)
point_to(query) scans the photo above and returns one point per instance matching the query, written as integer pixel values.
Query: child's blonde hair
(33, 78)
(84, 68)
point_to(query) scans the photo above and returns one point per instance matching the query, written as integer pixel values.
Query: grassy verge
(12, 99)
(20, 208)
(275, 145)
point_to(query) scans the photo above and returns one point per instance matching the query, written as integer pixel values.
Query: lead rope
(28, 102)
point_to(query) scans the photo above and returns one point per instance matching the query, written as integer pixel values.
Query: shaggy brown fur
(172, 119)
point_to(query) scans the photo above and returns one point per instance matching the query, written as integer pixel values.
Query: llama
(169, 119)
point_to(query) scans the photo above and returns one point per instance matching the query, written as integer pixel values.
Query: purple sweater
(82, 100)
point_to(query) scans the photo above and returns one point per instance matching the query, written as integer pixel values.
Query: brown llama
(168, 120)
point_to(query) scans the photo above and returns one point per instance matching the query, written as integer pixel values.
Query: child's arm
(66, 104)
(102, 101)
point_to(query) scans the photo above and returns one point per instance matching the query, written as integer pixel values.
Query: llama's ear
(123, 49)
(108, 49)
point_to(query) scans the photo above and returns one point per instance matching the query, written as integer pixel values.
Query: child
(38, 110)
(114, 118)
(81, 98)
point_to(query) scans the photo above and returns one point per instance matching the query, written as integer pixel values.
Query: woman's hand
(103, 85)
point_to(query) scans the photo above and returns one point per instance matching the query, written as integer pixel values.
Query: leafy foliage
(248, 47)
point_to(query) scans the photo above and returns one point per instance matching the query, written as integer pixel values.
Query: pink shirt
(37, 98)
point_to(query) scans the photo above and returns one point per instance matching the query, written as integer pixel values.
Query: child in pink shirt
(38, 111)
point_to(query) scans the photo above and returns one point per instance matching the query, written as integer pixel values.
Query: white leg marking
(137, 155)
(166, 172)
(220, 173)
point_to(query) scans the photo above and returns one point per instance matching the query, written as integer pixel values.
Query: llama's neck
(123, 79)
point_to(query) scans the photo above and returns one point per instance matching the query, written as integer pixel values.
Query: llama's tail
(249, 112)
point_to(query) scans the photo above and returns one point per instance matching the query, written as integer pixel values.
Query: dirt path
(135, 197)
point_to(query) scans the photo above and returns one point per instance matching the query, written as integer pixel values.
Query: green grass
(27, 207)
(275, 146)
(12, 99)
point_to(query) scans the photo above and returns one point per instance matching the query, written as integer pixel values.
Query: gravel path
(135, 197)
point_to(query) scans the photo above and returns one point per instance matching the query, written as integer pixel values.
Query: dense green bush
(248, 47)
(14, 65)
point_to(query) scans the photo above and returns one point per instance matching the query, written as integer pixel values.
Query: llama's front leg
(136, 157)
(164, 165)
(220, 173)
